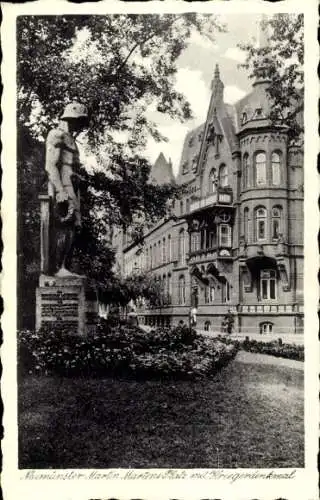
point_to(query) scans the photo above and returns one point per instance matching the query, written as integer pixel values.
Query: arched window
(244, 118)
(224, 235)
(211, 237)
(164, 253)
(266, 327)
(194, 293)
(164, 287)
(155, 260)
(182, 245)
(276, 169)
(169, 248)
(159, 253)
(223, 176)
(194, 242)
(276, 223)
(203, 237)
(246, 224)
(246, 171)
(187, 205)
(268, 282)
(261, 224)
(181, 207)
(169, 285)
(211, 293)
(150, 256)
(213, 181)
(260, 169)
(207, 326)
(182, 290)
(226, 291)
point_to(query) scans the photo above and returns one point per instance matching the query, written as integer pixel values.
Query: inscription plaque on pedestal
(63, 303)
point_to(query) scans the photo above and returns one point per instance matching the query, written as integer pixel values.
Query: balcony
(218, 198)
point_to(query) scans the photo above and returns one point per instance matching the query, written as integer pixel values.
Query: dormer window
(191, 142)
(258, 113)
(194, 163)
(211, 134)
(200, 136)
(185, 167)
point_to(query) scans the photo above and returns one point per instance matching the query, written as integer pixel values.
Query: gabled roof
(190, 150)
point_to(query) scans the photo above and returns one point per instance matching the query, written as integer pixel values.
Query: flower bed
(123, 351)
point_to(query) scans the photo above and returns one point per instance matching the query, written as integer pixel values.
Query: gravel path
(266, 359)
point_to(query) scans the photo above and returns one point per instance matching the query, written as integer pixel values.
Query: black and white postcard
(160, 227)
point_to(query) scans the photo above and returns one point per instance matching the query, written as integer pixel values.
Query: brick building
(235, 240)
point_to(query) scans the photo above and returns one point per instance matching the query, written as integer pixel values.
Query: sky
(195, 72)
(194, 75)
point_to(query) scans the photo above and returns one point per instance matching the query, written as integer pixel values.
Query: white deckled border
(304, 486)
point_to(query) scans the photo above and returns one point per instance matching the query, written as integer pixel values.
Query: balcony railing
(218, 198)
(270, 308)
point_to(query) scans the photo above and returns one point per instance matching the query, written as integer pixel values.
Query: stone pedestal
(66, 303)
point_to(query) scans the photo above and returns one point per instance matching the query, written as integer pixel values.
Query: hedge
(278, 349)
(275, 348)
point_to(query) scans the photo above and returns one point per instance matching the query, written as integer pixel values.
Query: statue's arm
(53, 150)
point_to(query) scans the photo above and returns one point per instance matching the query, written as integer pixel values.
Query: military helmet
(75, 110)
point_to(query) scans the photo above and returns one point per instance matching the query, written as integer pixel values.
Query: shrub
(123, 351)
(278, 349)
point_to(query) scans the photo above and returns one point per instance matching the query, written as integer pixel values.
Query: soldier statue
(62, 166)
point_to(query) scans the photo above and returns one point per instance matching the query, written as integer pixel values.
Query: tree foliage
(117, 65)
(121, 67)
(138, 286)
(281, 63)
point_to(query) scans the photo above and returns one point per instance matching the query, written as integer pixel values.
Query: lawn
(249, 415)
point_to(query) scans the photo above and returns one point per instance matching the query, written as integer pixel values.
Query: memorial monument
(63, 298)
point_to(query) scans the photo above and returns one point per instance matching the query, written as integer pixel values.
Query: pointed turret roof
(161, 171)
(217, 86)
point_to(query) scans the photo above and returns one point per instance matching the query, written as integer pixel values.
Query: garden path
(267, 359)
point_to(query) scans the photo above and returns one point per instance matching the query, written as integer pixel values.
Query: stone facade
(235, 240)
